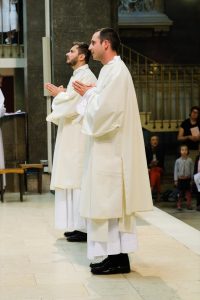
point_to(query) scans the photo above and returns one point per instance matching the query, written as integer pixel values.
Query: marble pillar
(70, 21)
(35, 104)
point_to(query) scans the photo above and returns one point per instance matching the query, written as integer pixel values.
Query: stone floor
(36, 262)
(190, 217)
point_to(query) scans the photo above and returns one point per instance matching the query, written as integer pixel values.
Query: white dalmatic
(115, 181)
(68, 154)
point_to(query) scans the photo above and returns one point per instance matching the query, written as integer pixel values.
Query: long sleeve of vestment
(104, 112)
(64, 104)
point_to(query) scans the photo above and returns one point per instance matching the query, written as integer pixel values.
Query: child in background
(155, 162)
(197, 170)
(183, 174)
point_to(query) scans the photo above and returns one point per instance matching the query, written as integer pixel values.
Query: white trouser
(118, 242)
(67, 214)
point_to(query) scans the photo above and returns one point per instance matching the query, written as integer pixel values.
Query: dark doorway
(8, 92)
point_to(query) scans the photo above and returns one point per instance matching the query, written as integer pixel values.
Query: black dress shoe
(70, 233)
(94, 265)
(79, 237)
(111, 270)
(115, 264)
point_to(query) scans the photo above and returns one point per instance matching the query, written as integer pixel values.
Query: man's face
(154, 141)
(72, 56)
(96, 47)
(194, 114)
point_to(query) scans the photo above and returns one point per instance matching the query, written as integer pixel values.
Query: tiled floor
(190, 217)
(36, 262)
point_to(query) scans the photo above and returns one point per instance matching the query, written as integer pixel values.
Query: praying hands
(82, 88)
(53, 89)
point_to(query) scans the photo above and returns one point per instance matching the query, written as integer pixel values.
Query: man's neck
(108, 57)
(78, 65)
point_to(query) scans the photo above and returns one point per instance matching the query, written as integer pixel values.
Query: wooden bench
(18, 171)
(28, 168)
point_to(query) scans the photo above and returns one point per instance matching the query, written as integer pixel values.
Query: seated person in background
(155, 162)
(183, 174)
(189, 131)
(197, 179)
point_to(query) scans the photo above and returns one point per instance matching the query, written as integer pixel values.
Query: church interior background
(160, 45)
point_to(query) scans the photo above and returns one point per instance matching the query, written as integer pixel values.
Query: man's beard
(72, 62)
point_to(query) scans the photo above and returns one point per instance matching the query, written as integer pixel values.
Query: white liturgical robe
(70, 141)
(69, 151)
(2, 112)
(115, 182)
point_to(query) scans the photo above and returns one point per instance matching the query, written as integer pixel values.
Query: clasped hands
(82, 88)
(78, 86)
(53, 89)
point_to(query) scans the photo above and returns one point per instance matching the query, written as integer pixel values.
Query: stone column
(76, 21)
(35, 103)
(70, 21)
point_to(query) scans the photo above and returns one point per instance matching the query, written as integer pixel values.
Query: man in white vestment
(115, 180)
(2, 112)
(70, 146)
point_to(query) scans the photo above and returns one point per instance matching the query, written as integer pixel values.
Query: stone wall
(34, 101)
(70, 20)
(76, 21)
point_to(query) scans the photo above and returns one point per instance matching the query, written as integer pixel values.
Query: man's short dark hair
(112, 36)
(195, 108)
(83, 48)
